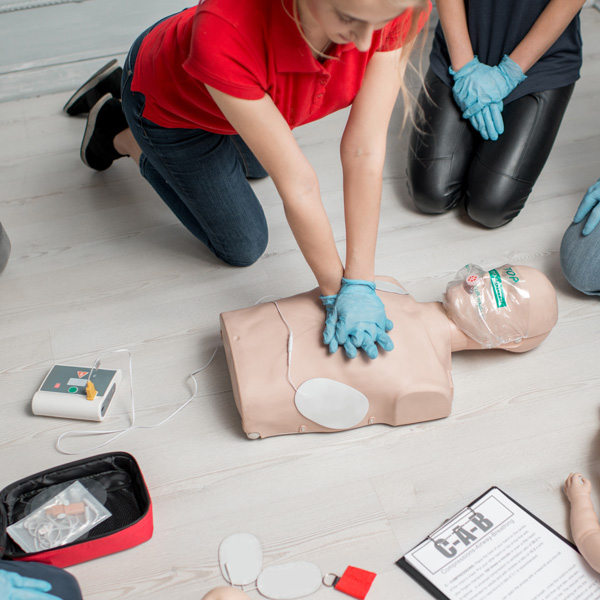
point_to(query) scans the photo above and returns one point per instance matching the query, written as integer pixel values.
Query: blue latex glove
(476, 85)
(330, 321)
(15, 587)
(488, 121)
(590, 205)
(360, 320)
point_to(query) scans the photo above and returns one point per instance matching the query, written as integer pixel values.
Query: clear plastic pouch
(60, 520)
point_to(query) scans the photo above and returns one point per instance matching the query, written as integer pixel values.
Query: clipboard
(483, 544)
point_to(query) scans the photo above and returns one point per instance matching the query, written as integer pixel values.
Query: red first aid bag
(115, 481)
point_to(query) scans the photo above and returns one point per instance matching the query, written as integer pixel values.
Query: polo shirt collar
(291, 51)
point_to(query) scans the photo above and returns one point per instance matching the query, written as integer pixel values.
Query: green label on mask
(496, 282)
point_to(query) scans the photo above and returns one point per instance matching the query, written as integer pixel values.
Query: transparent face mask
(491, 307)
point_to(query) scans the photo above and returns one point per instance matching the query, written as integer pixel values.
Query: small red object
(355, 582)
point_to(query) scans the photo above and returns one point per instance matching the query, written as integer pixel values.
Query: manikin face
(491, 307)
(353, 21)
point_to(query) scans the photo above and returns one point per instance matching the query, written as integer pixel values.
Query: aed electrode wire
(290, 345)
(120, 432)
(290, 342)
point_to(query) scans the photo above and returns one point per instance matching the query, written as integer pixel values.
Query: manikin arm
(584, 522)
(226, 593)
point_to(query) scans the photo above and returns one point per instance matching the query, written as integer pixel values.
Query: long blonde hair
(419, 7)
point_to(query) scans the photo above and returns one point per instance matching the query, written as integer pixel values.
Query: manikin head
(510, 307)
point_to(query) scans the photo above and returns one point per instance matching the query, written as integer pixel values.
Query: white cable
(120, 432)
(290, 345)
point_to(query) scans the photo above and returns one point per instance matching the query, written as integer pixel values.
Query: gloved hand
(360, 320)
(590, 205)
(476, 85)
(488, 121)
(330, 321)
(15, 587)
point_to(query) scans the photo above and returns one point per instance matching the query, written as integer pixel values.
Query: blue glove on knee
(590, 205)
(359, 318)
(16, 587)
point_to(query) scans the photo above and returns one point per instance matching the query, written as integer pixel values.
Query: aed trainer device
(76, 393)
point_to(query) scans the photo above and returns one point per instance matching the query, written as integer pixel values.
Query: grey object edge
(4, 248)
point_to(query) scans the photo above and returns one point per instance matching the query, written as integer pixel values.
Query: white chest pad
(330, 403)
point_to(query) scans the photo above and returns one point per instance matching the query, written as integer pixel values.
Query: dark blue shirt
(496, 27)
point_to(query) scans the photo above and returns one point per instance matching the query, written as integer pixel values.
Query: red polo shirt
(247, 48)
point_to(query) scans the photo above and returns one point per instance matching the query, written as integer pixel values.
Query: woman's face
(353, 21)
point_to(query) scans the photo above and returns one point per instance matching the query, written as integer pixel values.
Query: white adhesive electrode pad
(63, 393)
(289, 581)
(241, 558)
(330, 403)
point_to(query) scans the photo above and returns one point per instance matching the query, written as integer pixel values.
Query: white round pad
(330, 403)
(241, 558)
(288, 581)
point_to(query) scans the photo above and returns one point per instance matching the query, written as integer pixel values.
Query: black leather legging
(449, 161)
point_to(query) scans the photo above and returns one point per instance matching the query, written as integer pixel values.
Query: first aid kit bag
(76, 512)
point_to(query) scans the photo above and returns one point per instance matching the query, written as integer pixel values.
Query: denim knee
(580, 259)
(246, 254)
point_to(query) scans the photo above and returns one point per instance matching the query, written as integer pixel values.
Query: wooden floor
(99, 263)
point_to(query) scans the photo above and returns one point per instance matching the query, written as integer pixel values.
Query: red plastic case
(127, 498)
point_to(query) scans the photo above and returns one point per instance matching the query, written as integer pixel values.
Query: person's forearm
(309, 224)
(362, 202)
(545, 31)
(453, 17)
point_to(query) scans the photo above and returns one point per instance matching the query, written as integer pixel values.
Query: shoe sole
(91, 126)
(94, 80)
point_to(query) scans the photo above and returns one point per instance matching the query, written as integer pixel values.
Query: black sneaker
(105, 120)
(105, 81)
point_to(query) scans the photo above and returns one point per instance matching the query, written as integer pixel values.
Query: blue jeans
(580, 258)
(202, 177)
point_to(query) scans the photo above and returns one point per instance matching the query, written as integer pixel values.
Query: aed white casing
(62, 393)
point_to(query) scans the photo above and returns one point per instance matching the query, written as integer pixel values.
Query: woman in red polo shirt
(209, 98)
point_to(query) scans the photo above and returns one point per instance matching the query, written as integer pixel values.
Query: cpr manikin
(285, 380)
(584, 522)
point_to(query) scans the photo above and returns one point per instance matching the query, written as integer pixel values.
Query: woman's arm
(362, 151)
(545, 31)
(584, 522)
(263, 128)
(453, 17)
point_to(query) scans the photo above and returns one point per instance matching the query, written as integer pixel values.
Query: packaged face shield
(491, 307)
(62, 519)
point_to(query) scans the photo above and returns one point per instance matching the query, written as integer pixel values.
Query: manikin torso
(410, 384)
